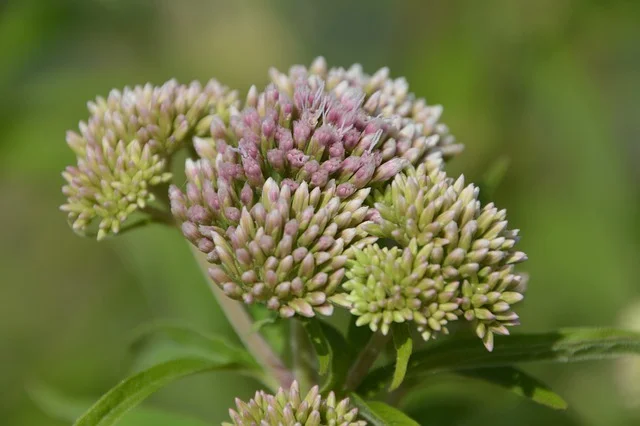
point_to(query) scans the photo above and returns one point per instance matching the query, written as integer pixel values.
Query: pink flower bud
(296, 158)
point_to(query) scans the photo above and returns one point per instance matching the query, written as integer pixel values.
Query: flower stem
(365, 360)
(159, 215)
(242, 324)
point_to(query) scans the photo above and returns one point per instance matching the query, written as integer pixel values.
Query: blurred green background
(551, 84)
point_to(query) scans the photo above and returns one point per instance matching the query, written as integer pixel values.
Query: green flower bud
(288, 407)
(458, 253)
(124, 148)
(396, 285)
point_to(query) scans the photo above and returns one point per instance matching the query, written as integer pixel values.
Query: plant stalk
(365, 360)
(242, 324)
(159, 215)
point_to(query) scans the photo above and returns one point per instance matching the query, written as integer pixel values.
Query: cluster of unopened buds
(288, 407)
(327, 189)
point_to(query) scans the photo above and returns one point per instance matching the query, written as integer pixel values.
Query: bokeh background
(551, 85)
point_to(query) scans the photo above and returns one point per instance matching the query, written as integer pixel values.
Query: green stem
(365, 360)
(301, 352)
(242, 324)
(395, 397)
(158, 215)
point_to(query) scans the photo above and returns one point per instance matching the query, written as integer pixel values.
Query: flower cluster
(383, 96)
(276, 199)
(456, 259)
(123, 150)
(287, 250)
(394, 285)
(312, 136)
(288, 407)
(326, 188)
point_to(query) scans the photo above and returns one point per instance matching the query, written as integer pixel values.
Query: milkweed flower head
(123, 150)
(288, 407)
(455, 259)
(383, 96)
(325, 189)
(308, 163)
(313, 136)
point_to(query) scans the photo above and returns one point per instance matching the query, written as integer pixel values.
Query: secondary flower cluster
(454, 258)
(123, 149)
(326, 188)
(382, 96)
(288, 407)
(287, 250)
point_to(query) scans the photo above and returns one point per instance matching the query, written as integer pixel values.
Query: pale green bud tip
(288, 407)
(123, 148)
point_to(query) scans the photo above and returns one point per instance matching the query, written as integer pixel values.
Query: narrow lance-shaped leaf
(378, 413)
(567, 345)
(323, 349)
(193, 341)
(332, 351)
(259, 325)
(358, 337)
(67, 409)
(132, 391)
(267, 323)
(520, 383)
(404, 346)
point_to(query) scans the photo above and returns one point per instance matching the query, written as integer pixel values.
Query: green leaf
(358, 337)
(262, 323)
(270, 325)
(380, 414)
(65, 408)
(192, 341)
(567, 345)
(327, 342)
(55, 404)
(520, 383)
(132, 391)
(404, 346)
(324, 351)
